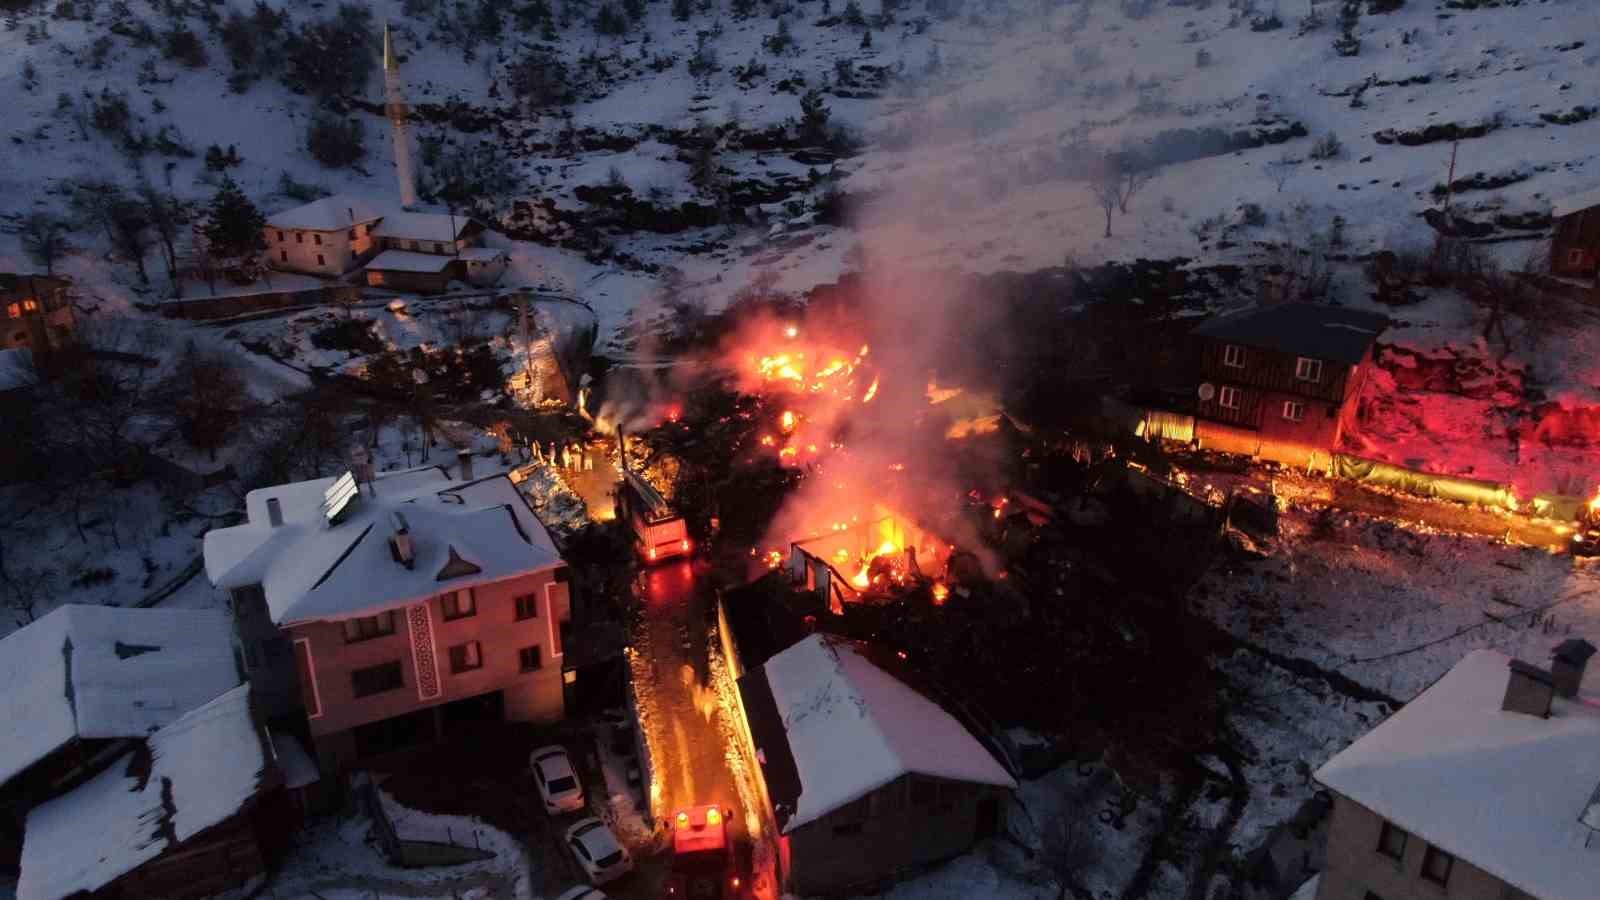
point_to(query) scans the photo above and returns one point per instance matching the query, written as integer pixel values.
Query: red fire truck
(659, 532)
(702, 860)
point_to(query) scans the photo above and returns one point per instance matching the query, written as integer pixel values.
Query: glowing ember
(791, 332)
(787, 421)
(872, 391)
(941, 592)
(774, 559)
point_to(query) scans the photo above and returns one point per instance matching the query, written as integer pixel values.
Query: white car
(582, 892)
(558, 783)
(596, 848)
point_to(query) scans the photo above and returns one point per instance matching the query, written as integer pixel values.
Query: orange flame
(872, 391)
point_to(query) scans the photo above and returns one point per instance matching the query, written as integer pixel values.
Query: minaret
(395, 107)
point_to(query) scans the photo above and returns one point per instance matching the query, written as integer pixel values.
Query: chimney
(274, 512)
(464, 457)
(1528, 690)
(400, 542)
(1567, 663)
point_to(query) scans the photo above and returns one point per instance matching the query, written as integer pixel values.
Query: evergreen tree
(634, 8)
(681, 9)
(813, 117)
(234, 230)
(866, 39)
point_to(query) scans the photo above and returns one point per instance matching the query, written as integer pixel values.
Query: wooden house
(1290, 375)
(34, 312)
(1575, 238)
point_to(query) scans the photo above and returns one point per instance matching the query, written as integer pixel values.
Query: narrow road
(689, 755)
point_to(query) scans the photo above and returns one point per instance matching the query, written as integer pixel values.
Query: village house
(326, 237)
(424, 252)
(1484, 787)
(37, 315)
(408, 251)
(1282, 381)
(387, 611)
(131, 760)
(1575, 239)
(865, 777)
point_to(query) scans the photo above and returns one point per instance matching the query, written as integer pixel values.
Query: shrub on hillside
(541, 79)
(336, 142)
(331, 56)
(1326, 147)
(354, 336)
(184, 46)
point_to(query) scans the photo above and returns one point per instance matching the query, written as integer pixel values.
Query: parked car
(558, 783)
(582, 892)
(596, 848)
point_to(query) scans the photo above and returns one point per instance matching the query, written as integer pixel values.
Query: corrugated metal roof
(1304, 329)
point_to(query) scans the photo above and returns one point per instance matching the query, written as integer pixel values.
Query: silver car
(597, 851)
(558, 783)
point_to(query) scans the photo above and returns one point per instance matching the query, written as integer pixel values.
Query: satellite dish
(1207, 391)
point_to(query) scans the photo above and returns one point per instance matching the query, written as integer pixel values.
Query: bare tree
(1281, 170)
(1106, 186)
(44, 239)
(1135, 175)
(206, 397)
(167, 216)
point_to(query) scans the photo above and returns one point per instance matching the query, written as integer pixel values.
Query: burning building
(883, 555)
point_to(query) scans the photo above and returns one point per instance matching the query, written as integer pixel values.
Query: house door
(988, 817)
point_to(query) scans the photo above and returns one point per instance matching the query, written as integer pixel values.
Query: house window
(376, 679)
(438, 247)
(1392, 841)
(299, 237)
(1293, 411)
(365, 629)
(1308, 369)
(30, 305)
(458, 604)
(1233, 356)
(529, 659)
(316, 239)
(1228, 398)
(283, 256)
(1574, 257)
(466, 657)
(1436, 866)
(280, 237)
(411, 245)
(320, 260)
(14, 310)
(527, 607)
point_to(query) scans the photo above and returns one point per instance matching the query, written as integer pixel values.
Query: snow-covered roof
(415, 226)
(1566, 206)
(294, 761)
(482, 254)
(852, 727)
(1312, 330)
(328, 214)
(104, 672)
(311, 570)
(1501, 790)
(407, 261)
(192, 774)
(16, 368)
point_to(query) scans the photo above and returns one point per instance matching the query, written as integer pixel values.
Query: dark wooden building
(1575, 238)
(34, 312)
(1289, 373)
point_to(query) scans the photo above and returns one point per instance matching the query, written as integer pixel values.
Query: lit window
(466, 657)
(1436, 866)
(458, 604)
(1233, 356)
(1392, 841)
(30, 305)
(14, 310)
(1228, 398)
(1293, 411)
(529, 659)
(1308, 369)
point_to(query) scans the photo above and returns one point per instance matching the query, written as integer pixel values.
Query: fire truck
(702, 859)
(658, 531)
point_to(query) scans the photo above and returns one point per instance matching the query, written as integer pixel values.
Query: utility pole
(527, 340)
(1449, 196)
